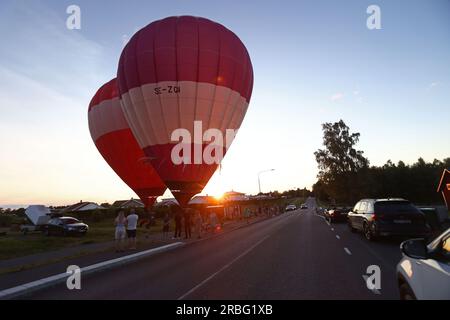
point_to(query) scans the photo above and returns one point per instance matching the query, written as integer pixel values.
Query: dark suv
(387, 217)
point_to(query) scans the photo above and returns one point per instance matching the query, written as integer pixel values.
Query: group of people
(188, 218)
(126, 228)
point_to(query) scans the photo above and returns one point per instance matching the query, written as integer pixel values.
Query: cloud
(337, 96)
(433, 85)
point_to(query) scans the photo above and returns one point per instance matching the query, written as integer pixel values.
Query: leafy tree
(339, 161)
(339, 155)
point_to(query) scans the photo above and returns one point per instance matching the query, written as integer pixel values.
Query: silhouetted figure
(187, 223)
(166, 226)
(178, 217)
(198, 224)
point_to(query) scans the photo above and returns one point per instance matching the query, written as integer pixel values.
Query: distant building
(444, 187)
(167, 202)
(203, 200)
(233, 196)
(127, 204)
(82, 206)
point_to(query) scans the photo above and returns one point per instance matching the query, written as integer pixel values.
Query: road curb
(30, 287)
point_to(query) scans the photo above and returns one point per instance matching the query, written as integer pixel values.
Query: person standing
(132, 221)
(121, 233)
(247, 215)
(166, 226)
(198, 223)
(213, 221)
(177, 218)
(187, 223)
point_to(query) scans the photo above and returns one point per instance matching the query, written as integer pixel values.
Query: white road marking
(375, 291)
(348, 251)
(332, 229)
(328, 223)
(222, 269)
(337, 237)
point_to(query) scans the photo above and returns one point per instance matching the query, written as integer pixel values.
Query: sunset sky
(314, 62)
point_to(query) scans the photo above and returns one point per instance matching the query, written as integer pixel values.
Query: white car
(291, 207)
(424, 271)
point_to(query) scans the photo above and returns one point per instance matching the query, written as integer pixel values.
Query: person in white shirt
(120, 223)
(132, 221)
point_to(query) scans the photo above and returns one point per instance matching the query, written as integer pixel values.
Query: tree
(339, 161)
(339, 156)
(106, 205)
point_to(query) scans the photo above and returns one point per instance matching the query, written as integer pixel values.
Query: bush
(6, 220)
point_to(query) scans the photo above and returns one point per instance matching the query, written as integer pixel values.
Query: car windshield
(69, 221)
(393, 207)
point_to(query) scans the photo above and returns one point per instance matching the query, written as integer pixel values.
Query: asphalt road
(297, 255)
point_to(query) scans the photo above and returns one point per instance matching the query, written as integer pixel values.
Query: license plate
(402, 221)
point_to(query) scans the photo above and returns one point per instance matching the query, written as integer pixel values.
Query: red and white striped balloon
(116, 143)
(176, 71)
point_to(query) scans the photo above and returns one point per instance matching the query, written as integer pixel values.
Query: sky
(314, 62)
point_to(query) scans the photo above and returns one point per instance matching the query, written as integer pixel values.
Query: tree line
(345, 175)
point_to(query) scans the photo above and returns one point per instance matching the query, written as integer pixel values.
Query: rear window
(69, 221)
(392, 207)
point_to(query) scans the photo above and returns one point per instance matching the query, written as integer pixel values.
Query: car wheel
(353, 230)
(406, 293)
(368, 233)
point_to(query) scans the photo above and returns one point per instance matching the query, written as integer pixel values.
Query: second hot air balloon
(118, 146)
(177, 72)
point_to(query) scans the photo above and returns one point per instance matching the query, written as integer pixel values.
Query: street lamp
(259, 179)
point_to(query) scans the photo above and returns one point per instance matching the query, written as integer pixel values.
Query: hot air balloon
(117, 145)
(174, 72)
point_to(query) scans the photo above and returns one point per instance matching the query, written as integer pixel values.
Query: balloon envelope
(176, 71)
(116, 143)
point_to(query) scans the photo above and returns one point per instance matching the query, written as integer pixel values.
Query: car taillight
(378, 216)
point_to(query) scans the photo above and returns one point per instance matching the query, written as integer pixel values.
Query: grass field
(15, 244)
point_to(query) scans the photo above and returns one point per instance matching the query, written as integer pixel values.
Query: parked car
(65, 226)
(387, 217)
(338, 214)
(424, 271)
(291, 207)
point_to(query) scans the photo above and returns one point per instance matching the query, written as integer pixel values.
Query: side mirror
(415, 248)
